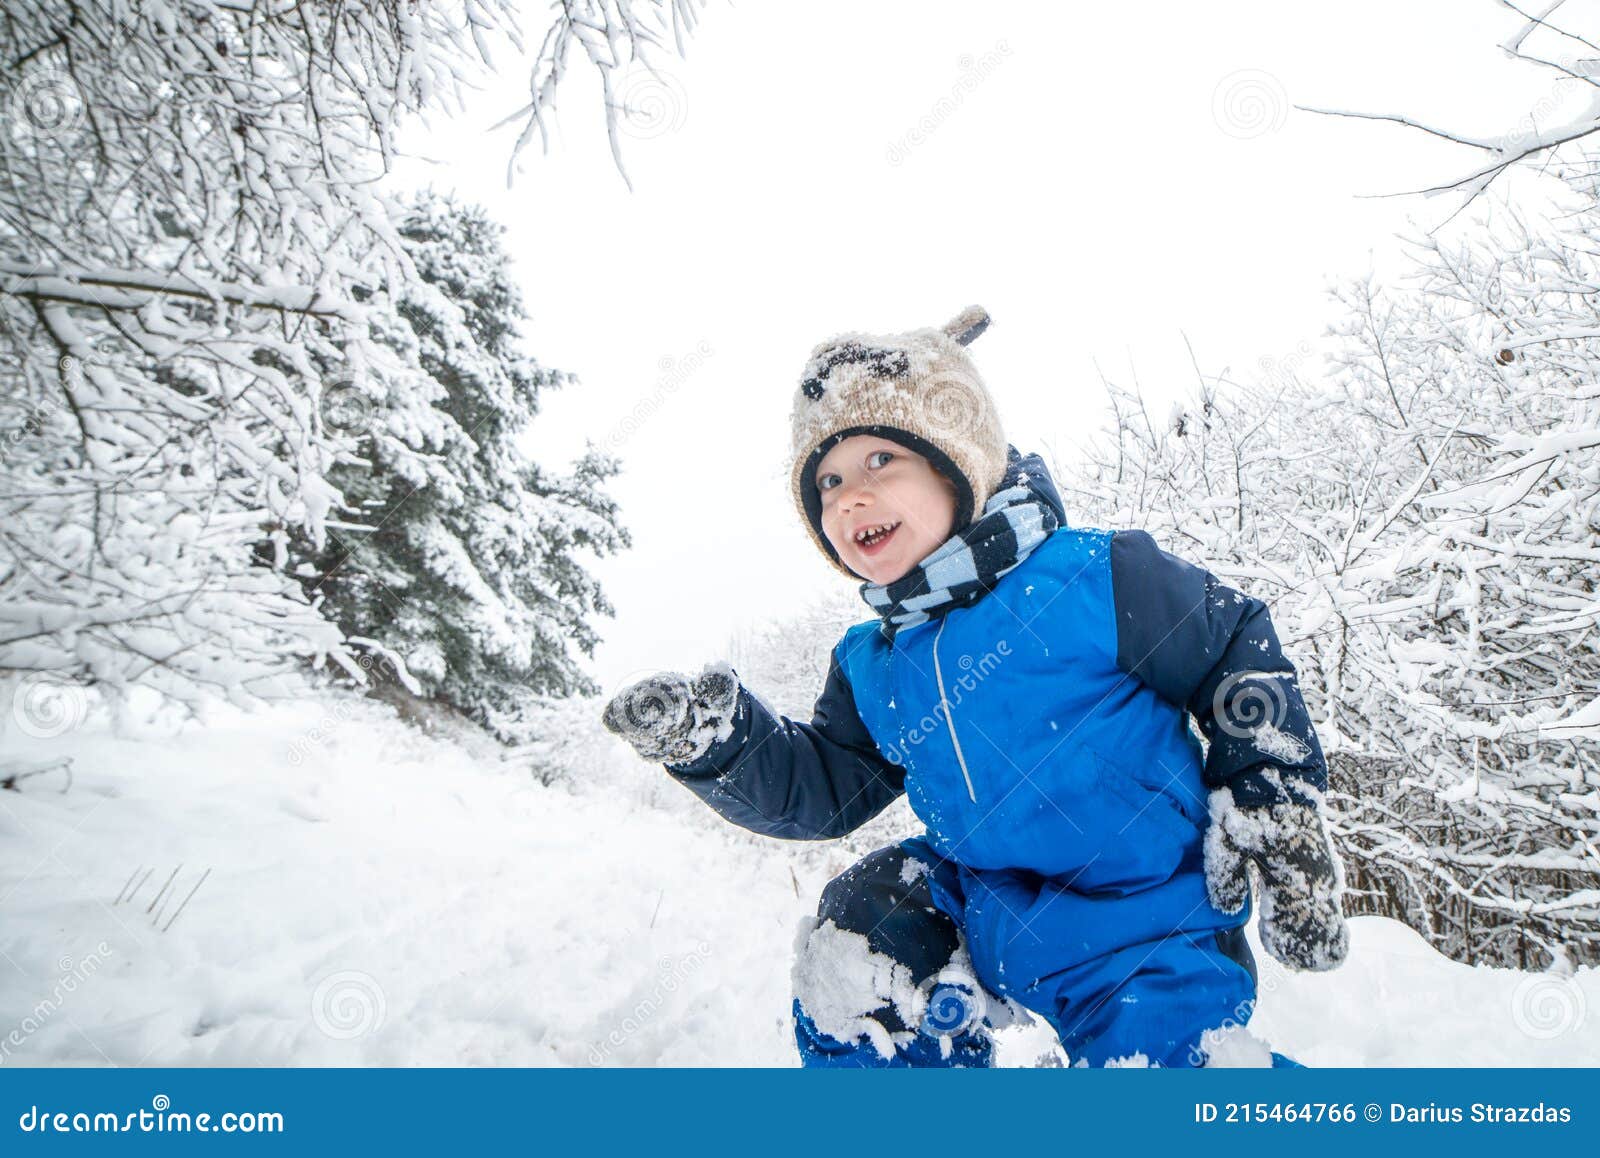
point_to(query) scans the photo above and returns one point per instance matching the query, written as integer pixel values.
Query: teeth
(862, 534)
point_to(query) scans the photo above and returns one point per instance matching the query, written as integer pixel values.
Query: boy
(1028, 685)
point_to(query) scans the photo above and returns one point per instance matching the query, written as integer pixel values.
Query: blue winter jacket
(1042, 736)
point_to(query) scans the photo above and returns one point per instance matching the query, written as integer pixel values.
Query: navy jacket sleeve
(1213, 649)
(790, 779)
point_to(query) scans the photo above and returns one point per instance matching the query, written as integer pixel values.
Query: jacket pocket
(1144, 803)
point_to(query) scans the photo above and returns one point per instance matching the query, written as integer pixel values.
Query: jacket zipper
(951, 724)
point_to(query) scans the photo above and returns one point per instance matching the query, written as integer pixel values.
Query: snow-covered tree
(201, 279)
(459, 553)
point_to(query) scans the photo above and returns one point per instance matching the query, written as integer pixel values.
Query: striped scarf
(1017, 518)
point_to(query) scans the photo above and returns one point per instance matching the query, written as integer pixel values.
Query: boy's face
(866, 482)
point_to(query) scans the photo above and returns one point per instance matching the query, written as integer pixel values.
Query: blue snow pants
(1154, 998)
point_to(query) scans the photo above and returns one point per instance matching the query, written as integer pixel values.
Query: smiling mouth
(873, 542)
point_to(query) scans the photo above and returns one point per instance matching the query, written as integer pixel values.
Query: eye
(823, 483)
(887, 454)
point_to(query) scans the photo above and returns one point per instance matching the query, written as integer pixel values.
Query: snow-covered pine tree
(459, 554)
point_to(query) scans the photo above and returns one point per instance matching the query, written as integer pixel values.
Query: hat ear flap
(968, 324)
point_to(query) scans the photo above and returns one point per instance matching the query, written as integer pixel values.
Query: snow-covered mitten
(1302, 920)
(671, 718)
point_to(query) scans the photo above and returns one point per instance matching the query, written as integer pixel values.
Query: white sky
(1093, 192)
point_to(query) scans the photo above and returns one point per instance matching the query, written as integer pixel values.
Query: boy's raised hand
(673, 719)
(1302, 921)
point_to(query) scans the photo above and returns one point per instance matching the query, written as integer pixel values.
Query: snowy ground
(378, 897)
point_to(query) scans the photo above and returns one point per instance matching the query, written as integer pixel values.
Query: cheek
(830, 528)
(942, 511)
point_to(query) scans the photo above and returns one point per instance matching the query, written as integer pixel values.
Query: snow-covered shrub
(1424, 522)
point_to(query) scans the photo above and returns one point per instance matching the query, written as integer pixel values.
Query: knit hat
(919, 389)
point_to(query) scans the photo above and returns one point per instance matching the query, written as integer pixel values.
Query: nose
(851, 494)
